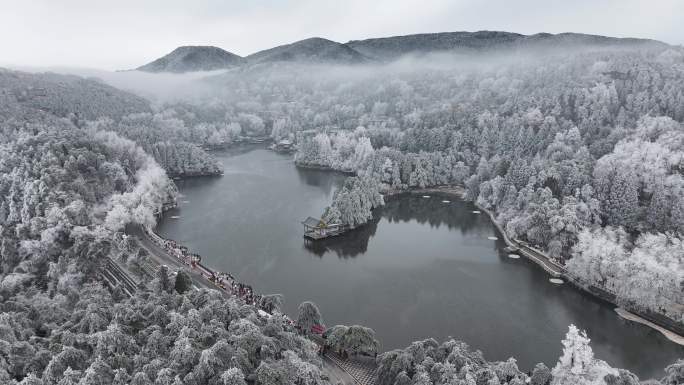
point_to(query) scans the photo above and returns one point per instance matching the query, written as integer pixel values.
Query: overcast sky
(123, 34)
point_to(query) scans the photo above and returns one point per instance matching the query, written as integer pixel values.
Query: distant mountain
(313, 50)
(390, 48)
(193, 58)
(581, 39)
(319, 50)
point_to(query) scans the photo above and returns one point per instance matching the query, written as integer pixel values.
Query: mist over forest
(576, 148)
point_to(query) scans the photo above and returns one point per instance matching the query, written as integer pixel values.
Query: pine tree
(163, 279)
(658, 213)
(577, 358)
(577, 365)
(623, 200)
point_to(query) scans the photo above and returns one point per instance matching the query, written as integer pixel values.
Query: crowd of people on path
(224, 281)
(227, 282)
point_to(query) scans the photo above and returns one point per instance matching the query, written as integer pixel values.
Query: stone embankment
(670, 328)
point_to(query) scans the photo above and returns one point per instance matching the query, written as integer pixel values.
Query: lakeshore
(417, 256)
(668, 327)
(551, 266)
(308, 166)
(674, 337)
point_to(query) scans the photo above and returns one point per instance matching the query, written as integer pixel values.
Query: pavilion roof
(312, 222)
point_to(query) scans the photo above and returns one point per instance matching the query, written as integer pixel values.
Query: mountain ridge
(321, 50)
(393, 47)
(315, 49)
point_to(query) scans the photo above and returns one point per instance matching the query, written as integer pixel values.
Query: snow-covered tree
(577, 364)
(308, 316)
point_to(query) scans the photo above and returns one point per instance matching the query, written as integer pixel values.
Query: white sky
(122, 34)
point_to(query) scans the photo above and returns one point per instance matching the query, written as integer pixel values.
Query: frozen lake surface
(420, 269)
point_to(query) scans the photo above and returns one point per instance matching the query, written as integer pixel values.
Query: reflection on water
(348, 245)
(320, 179)
(455, 216)
(422, 268)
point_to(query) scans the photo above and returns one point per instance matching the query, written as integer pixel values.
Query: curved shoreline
(674, 337)
(634, 316)
(553, 269)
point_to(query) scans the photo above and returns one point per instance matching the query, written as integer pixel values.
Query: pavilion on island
(318, 228)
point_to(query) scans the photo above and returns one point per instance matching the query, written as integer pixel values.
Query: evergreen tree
(623, 200)
(183, 282)
(163, 279)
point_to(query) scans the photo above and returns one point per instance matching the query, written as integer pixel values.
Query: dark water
(423, 268)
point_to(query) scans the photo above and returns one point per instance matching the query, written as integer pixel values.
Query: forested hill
(67, 189)
(318, 50)
(314, 50)
(390, 48)
(575, 152)
(64, 96)
(193, 58)
(47, 97)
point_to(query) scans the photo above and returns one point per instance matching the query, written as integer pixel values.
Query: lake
(422, 268)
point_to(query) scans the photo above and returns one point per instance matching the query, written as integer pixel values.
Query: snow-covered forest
(353, 202)
(453, 362)
(569, 150)
(66, 191)
(580, 154)
(168, 139)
